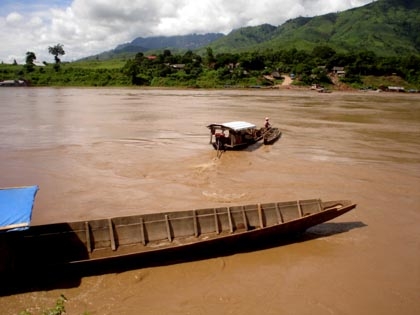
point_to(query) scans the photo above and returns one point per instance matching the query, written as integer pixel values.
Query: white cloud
(13, 19)
(89, 27)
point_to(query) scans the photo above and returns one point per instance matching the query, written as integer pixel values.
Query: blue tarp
(16, 206)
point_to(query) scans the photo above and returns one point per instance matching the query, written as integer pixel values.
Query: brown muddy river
(99, 153)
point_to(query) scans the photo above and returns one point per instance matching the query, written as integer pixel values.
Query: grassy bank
(69, 74)
(111, 73)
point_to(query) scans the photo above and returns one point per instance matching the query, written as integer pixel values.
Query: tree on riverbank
(29, 62)
(56, 51)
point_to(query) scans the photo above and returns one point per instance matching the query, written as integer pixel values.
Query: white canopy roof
(235, 125)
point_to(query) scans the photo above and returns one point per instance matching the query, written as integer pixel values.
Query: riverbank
(114, 75)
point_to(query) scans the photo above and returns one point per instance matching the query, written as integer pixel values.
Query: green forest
(363, 69)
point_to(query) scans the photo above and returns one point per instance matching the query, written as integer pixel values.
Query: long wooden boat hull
(145, 234)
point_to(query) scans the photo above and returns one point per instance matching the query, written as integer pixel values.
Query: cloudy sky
(88, 27)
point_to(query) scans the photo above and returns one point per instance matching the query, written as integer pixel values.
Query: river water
(99, 153)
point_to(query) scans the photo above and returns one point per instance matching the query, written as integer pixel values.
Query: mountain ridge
(385, 27)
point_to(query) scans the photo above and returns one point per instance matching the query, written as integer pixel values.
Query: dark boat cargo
(271, 135)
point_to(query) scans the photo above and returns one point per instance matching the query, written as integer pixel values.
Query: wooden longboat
(271, 135)
(145, 234)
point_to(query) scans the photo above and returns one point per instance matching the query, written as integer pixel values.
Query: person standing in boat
(267, 124)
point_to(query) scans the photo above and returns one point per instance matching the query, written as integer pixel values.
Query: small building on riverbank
(396, 89)
(13, 83)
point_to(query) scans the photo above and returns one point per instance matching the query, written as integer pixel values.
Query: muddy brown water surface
(99, 153)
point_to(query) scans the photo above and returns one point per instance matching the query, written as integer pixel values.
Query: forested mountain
(190, 42)
(385, 27)
(149, 44)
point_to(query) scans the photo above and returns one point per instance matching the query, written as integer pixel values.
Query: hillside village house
(339, 71)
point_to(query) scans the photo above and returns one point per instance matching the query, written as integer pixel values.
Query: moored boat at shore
(142, 235)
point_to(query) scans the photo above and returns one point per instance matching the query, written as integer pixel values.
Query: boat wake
(200, 168)
(223, 197)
